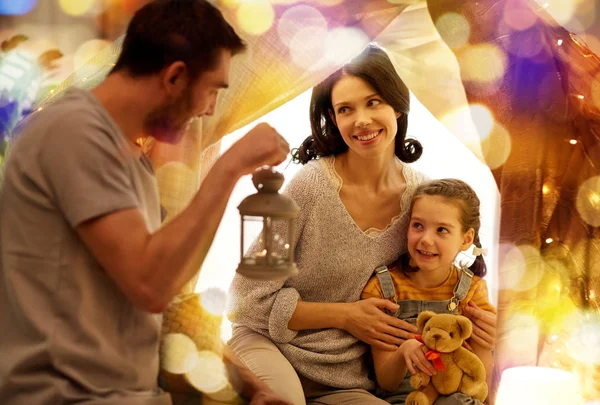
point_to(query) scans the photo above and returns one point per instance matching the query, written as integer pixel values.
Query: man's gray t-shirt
(68, 333)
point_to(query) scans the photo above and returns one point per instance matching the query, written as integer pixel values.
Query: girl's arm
(391, 367)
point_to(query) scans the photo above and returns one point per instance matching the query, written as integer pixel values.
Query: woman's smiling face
(365, 120)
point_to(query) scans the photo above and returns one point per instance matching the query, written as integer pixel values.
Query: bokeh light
(255, 17)
(16, 7)
(307, 48)
(89, 50)
(561, 10)
(298, 18)
(483, 63)
(343, 43)
(588, 201)
(521, 335)
(518, 15)
(521, 269)
(454, 29)
(76, 7)
(213, 300)
(584, 340)
(496, 147)
(482, 118)
(178, 353)
(209, 375)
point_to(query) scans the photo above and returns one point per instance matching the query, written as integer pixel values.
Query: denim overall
(409, 310)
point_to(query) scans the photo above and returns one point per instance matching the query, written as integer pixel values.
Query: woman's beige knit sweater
(335, 259)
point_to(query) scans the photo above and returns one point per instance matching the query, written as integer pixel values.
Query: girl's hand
(367, 321)
(413, 352)
(484, 325)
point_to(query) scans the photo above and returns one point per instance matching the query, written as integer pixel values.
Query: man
(84, 264)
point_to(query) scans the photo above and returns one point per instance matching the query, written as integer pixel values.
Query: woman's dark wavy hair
(465, 198)
(374, 66)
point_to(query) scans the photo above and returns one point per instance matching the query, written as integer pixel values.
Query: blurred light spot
(522, 268)
(307, 48)
(549, 240)
(573, 141)
(16, 7)
(545, 190)
(588, 201)
(209, 375)
(559, 42)
(76, 7)
(496, 147)
(518, 15)
(226, 330)
(521, 335)
(255, 17)
(178, 353)
(580, 96)
(482, 118)
(454, 29)
(88, 50)
(561, 10)
(343, 43)
(584, 342)
(326, 3)
(213, 300)
(483, 63)
(296, 19)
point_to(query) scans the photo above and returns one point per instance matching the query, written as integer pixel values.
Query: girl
(444, 220)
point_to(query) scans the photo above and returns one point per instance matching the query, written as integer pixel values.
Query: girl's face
(435, 233)
(365, 121)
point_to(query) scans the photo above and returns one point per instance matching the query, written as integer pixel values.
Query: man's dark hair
(166, 31)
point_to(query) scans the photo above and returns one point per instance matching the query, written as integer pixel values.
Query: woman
(306, 336)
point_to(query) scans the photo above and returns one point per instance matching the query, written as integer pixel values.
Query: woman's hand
(484, 326)
(367, 321)
(413, 352)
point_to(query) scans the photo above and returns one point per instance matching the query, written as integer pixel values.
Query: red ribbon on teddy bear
(433, 355)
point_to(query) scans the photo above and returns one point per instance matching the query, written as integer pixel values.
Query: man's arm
(152, 268)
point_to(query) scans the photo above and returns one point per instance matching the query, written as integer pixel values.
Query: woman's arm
(364, 319)
(391, 367)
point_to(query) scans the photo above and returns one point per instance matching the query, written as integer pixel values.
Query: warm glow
(521, 269)
(255, 17)
(549, 240)
(209, 375)
(88, 50)
(561, 10)
(454, 28)
(588, 201)
(496, 147)
(584, 342)
(537, 386)
(307, 48)
(342, 44)
(298, 18)
(178, 353)
(76, 7)
(484, 63)
(545, 189)
(518, 15)
(573, 141)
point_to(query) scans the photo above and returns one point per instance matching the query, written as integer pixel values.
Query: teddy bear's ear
(423, 318)
(466, 328)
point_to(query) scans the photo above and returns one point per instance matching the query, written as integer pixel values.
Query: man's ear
(175, 77)
(468, 239)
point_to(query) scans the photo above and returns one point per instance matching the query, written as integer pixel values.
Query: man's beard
(169, 122)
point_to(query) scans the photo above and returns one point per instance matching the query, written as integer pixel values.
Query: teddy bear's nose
(437, 336)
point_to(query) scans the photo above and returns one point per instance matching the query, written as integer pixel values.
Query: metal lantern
(275, 213)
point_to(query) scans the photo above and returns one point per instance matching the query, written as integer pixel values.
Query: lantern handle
(267, 180)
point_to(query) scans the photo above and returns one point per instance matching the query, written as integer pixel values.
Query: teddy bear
(458, 369)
